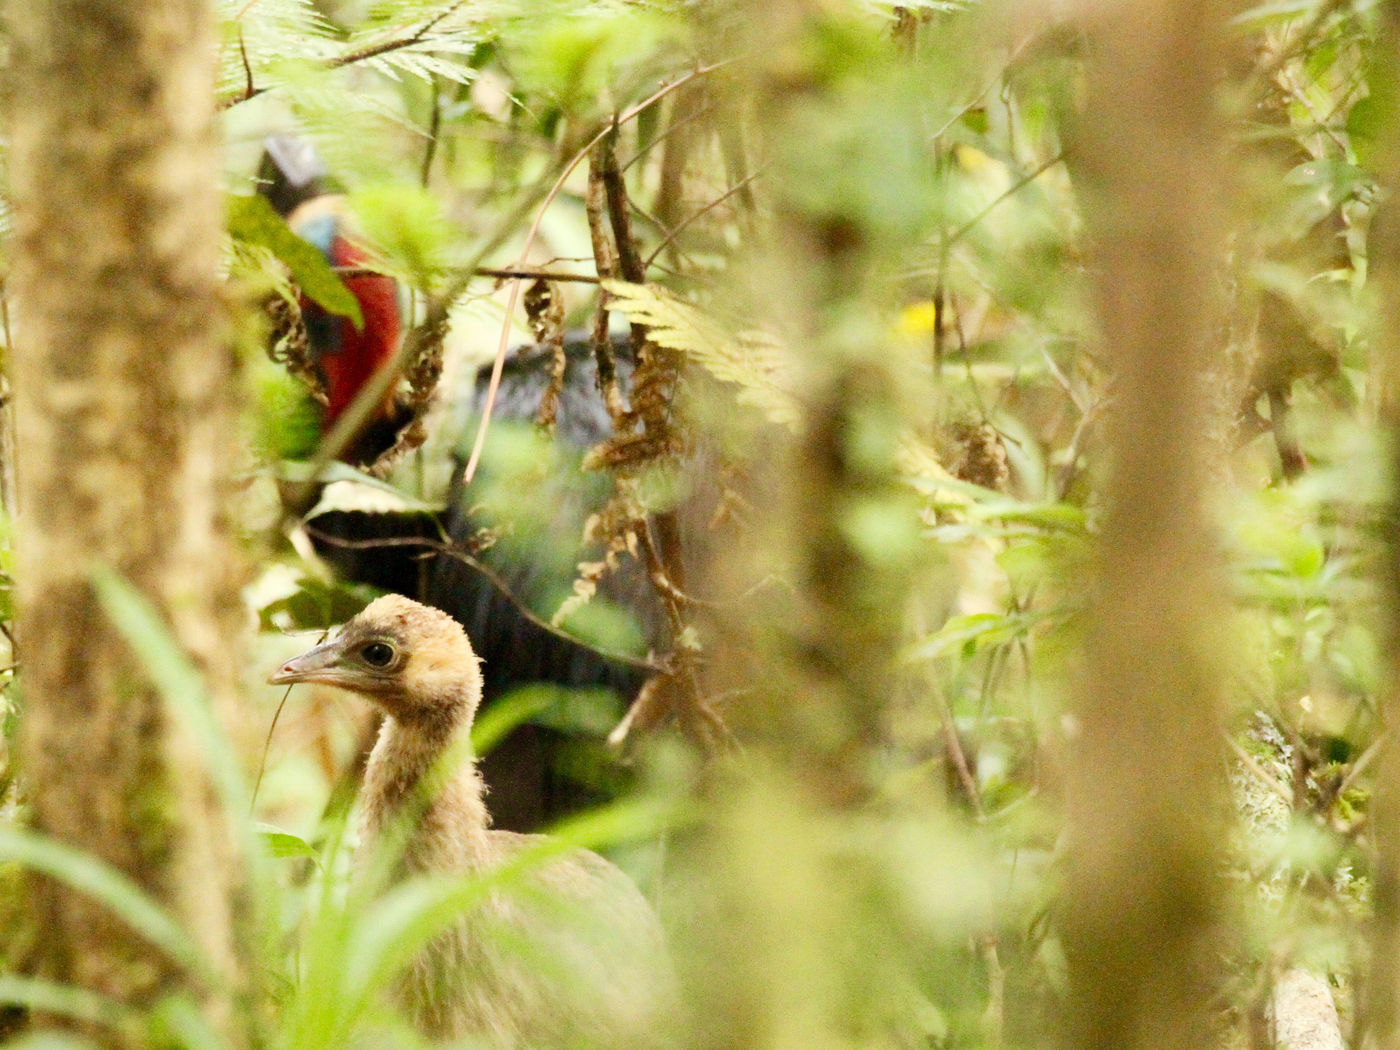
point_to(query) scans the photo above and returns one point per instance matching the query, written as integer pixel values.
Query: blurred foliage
(929, 149)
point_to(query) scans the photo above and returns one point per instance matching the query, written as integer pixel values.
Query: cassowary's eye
(378, 654)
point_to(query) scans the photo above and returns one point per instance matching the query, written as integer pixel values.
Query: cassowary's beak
(321, 664)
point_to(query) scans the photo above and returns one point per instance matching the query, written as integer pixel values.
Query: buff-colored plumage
(572, 958)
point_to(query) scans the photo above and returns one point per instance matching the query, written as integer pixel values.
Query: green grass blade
(109, 887)
(177, 679)
(63, 1000)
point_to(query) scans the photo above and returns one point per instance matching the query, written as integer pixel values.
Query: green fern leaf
(752, 361)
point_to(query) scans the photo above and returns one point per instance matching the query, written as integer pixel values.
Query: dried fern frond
(615, 528)
(422, 374)
(544, 307)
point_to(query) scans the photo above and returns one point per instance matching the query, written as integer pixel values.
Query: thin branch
(677, 125)
(1014, 188)
(595, 208)
(956, 754)
(526, 273)
(1259, 772)
(739, 188)
(629, 260)
(977, 98)
(434, 128)
(1357, 767)
(454, 551)
(387, 46)
(247, 68)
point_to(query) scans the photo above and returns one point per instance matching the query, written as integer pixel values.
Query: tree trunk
(794, 956)
(1379, 1023)
(1146, 786)
(123, 372)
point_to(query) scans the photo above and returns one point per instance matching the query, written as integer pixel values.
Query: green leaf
(178, 1021)
(975, 631)
(253, 219)
(350, 490)
(281, 843)
(1370, 119)
(753, 361)
(406, 223)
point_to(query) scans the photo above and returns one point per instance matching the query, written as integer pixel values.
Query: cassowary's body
(573, 957)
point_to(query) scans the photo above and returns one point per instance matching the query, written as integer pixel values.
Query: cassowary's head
(413, 661)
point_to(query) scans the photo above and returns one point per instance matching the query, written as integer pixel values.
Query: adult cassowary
(344, 354)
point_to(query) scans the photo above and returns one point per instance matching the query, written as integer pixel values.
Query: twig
(661, 137)
(595, 207)
(1259, 772)
(956, 753)
(455, 552)
(1361, 763)
(267, 747)
(526, 273)
(434, 128)
(697, 718)
(977, 98)
(384, 48)
(629, 259)
(1014, 188)
(670, 237)
(247, 67)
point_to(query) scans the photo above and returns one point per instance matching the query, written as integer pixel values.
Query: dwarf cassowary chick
(575, 958)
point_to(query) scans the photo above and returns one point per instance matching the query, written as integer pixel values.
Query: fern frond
(257, 38)
(752, 361)
(418, 39)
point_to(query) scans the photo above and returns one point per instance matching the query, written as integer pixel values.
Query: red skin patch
(348, 356)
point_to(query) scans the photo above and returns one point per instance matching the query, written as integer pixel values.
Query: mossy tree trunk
(1146, 787)
(123, 377)
(1379, 1021)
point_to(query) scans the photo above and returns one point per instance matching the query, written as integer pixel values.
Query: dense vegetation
(870, 251)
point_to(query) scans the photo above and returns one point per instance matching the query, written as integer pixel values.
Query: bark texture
(1379, 1023)
(1146, 790)
(122, 380)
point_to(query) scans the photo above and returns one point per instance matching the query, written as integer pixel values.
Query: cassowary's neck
(440, 802)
